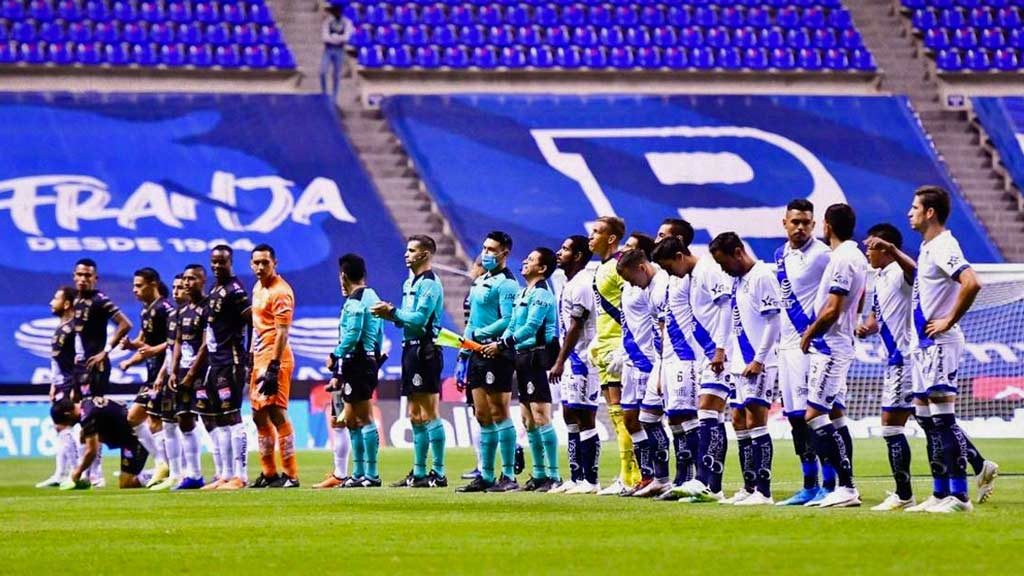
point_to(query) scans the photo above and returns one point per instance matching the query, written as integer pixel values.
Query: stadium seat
(281, 57)
(783, 59)
(8, 53)
(473, 36)
(151, 12)
(569, 57)
(745, 37)
(861, 59)
(595, 57)
(702, 58)
(1007, 59)
(599, 15)
(172, 55)
(977, 59)
(400, 56)
(836, 59)
(937, 39)
(33, 53)
(545, 15)
(428, 57)
(371, 56)
(718, 37)
(133, 32)
(501, 36)
(48, 31)
(541, 57)
(558, 36)
(638, 37)
(965, 38)
(24, 31)
(809, 59)
(40, 11)
(518, 15)
(145, 55)
(160, 33)
(679, 16)
(227, 57)
(200, 56)
(513, 57)
(485, 57)
(585, 36)
(626, 16)
(124, 11)
(949, 60)
(675, 58)
(417, 35)
(61, 53)
(260, 14)
(119, 54)
(180, 12)
(189, 33)
(12, 9)
(461, 16)
(433, 15)
(993, 38)
(89, 54)
(573, 15)
(489, 15)
(456, 57)
(79, 32)
(69, 11)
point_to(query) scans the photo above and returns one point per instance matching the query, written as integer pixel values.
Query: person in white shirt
(334, 32)
(829, 341)
(944, 290)
(579, 386)
(799, 266)
(890, 319)
(753, 360)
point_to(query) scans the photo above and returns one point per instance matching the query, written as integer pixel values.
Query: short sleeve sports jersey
(491, 298)
(191, 324)
(939, 263)
(358, 329)
(755, 298)
(608, 287)
(272, 305)
(93, 310)
(534, 318)
(693, 312)
(799, 272)
(641, 312)
(422, 306)
(845, 275)
(62, 354)
(891, 305)
(577, 302)
(225, 324)
(155, 322)
(107, 419)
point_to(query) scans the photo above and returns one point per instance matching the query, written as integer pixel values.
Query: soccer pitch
(436, 531)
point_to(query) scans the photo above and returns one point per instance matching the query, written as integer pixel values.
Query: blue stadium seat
(982, 18)
(79, 32)
(679, 16)
(718, 37)
(840, 19)
(124, 11)
(180, 12)
(851, 38)
(599, 15)
(417, 35)
(473, 35)
(813, 18)
(1017, 38)
(502, 35)
(621, 57)
(574, 15)
(407, 15)
(702, 58)
(260, 14)
(97, 11)
(825, 38)
(637, 36)
(937, 39)
(1007, 59)
(798, 38)
(24, 31)
(246, 34)
(513, 57)
(390, 35)
(490, 15)
(189, 33)
(218, 34)
(461, 16)
(362, 35)
(731, 16)
(281, 57)
(433, 15)
(783, 59)
(40, 11)
(227, 57)
(965, 38)
(378, 14)
(595, 57)
(625, 16)
(456, 57)
(953, 18)
(675, 57)
(758, 16)
(1009, 17)
(809, 59)
(541, 57)
(200, 56)
(428, 57)
(133, 32)
(172, 55)
(836, 59)
(61, 53)
(371, 56)
(558, 36)
(89, 53)
(585, 36)
(652, 16)
(993, 38)
(730, 58)
(12, 10)
(8, 53)
(546, 15)
(704, 16)
(530, 35)
(518, 15)
(569, 57)
(861, 59)
(151, 12)
(787, 17)
(692, 37)
(485, 57)
(69, 11)
(400, 57)
(924, 19)
(119, 54)
(48, 31)
(665, 36)
(773, 37)
(160, 32)
(746, 37)
(145, 55)
(977, 59)
(756, 58)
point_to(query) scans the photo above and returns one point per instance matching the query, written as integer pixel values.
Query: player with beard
(217, 374)
(150, 347)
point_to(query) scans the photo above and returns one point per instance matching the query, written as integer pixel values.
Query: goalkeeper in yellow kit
(606, 351)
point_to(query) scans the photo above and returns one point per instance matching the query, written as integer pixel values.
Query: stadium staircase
(887, 33)
(381, 153)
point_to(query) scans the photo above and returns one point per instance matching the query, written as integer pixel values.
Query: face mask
(489, 262)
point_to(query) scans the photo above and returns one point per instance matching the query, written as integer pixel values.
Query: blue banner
(541, 167)
(157, 180)
(1003, 121)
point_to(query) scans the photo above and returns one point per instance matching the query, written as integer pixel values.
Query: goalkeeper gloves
(613, 362)
(269, 381)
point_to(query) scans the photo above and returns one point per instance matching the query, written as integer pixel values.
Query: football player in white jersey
(579, 386)
(799, 265)
(829, 341)
(697, 324)
(944, 290)
(753, 362)
(643, 306)
(890, 319)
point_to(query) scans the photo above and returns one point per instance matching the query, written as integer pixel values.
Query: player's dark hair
(842, 219)
(265, 248)
(425, 242)
(616, 226)
(353, 267)
(726, 243)
(580, 246)
(63, 412)
(631, 259)
(800, 205)
(681, 228)
(68, 293)
(547, 260)
(178, 277)
(887, 232)
(501, 238)
(644, 243)
(223, 248)
(935, 198)
(148, 274)
(199, 267)
(163, 290)
(86, 262)
(668, 247)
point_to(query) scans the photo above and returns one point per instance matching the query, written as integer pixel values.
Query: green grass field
(404, 531)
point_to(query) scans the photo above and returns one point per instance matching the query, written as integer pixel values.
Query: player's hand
(332, 385)
(383, 310)
(332, 362)
(805, 342)
(555, 374)
(753, 369)
(718, 361)
(875, 243)
(268, 383)
(489, 350)
(96, 360)
(614, 360)
(867, 328)
(461, 371)
(123, 365)
(172, 382)
(145, 351)
(937, 326)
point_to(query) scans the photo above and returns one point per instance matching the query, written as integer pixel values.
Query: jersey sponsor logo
(417, 380)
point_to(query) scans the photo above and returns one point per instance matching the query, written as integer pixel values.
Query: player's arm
(826, 318)
(199, 359)
(868, 327)
(540, 305)
(92, 448)
(720, 292)
(428, 295)
(124, 325)
(970, 285)
(506, 302)
(352, 320)
(577, 322)
(906, 263)
(769, 339)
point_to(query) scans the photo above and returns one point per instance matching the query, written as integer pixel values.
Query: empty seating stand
(190, 34)
(743, 35)
(971, 35)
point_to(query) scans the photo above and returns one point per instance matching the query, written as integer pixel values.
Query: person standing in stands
(335, 32)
